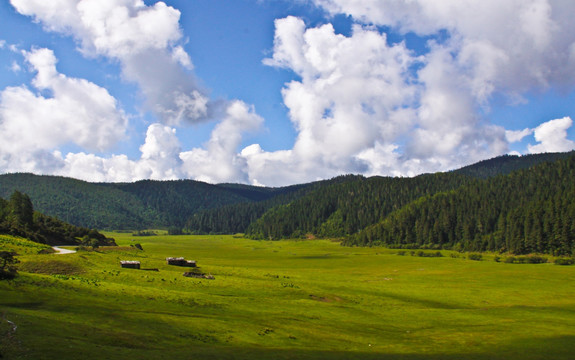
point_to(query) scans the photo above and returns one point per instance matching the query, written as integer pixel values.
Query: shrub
(475, 256)
(7, 262)
(536, 259)
(421, 253)
(564, 261)
(497, 258)
(510, 260)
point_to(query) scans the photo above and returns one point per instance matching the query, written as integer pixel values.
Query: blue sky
(274, 92)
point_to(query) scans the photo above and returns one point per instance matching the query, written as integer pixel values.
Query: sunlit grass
(285, 299)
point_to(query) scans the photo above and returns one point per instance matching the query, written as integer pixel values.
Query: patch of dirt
(326, 299)
(54, 267)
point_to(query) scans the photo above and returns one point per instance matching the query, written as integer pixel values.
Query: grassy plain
(283, 300)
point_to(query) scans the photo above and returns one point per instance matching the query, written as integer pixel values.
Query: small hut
(180, 261)
(131, 264)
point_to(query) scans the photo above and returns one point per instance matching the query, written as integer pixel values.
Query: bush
(534, 259)
(497, 258)
(7, 261)
(475, 256)
(564, 261)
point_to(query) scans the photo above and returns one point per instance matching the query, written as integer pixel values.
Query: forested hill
(345, 208)
(528, 211)
(140, 205)
(338, 207)
(506, 164)
(17, 217)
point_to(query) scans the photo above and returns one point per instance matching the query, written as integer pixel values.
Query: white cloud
(161, 153)
(361, 104)
(552, 136)
(527, 39)
(517, 135)
(363, 107)
(482, 48)
(144, 39)
(354, 92)
(64, 111)
(219, 161)
(15, 67)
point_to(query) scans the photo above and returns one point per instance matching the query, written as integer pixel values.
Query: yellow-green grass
(284, 300)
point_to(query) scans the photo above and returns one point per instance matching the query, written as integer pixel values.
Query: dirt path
(61, 251)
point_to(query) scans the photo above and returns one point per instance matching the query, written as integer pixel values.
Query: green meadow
(281, 300)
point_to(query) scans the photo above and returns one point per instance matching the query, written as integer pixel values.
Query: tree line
(17, 217)
(528, 211)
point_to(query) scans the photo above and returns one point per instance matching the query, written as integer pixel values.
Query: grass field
(282, 300)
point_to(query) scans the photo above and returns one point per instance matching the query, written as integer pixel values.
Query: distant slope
(79, 202)
(139, 205)
(506, 164)
(338, 210)
(175, 202)
(349, 205)
(332, 208)
(527, 211)
(18, 218)
(236, 218)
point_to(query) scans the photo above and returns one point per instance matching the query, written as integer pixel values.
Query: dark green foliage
(17, 217)
(528, 211)
(471, 209)
(475, 256)
(144, 233)
(174, 230)
(531, 259)
(7, 265)
(348, 205)
(236, 218)
(564, 261)
(21, 211)
(139, 205)
(506, 164)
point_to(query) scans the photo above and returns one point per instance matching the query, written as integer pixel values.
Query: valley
(287, 299)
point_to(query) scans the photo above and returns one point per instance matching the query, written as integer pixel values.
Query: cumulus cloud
(361, 103)
(509, 45)
(476, 50)
(517, 135)
(162, 157)
(354, 92)
(220, 161)
(63, 111)
(144, 39)
(552, 136)
(364, 105)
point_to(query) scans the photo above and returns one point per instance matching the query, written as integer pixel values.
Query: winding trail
(60, 251)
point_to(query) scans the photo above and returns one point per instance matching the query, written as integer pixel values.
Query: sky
(279, 92)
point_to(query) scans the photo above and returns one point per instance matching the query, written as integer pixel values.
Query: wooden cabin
(180, 261)
(130, 264)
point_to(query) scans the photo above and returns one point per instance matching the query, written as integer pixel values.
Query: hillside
(17, 217)
(339, 207)
(528, 211)
(506, 164)
(139, 205)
